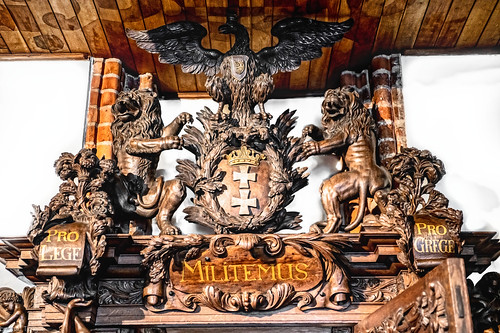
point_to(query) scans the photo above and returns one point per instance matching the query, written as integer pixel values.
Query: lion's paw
(170, 230)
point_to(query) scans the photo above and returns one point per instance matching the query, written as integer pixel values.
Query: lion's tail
(363, 193)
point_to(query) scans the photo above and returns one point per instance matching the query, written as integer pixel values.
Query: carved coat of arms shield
(246, 177)
(238, 66)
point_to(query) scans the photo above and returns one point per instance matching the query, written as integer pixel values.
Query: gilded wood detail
(276, 277)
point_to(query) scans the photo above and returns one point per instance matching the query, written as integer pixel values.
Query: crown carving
(245, 155)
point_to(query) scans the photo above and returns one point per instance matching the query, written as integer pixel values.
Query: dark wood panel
(432, 22)
(10, 33)
(262, 20)
(131, 15)
(282, 9)
(454, 23)
(388, 25)
(365, 35)
(475, 23)
(491, 33)
(26, 24)
(152, 13)
(92, 28)
(339, 60)
(196, 11)
(64, 16)
(174, 12)
(318, 70)
(115, 33)
(410, 24)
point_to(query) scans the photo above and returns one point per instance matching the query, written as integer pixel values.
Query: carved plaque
(246, 272)
(243, 270)
(61, 253)
(432, 239)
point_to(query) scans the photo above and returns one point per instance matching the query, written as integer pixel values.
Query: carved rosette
(415, 174)
(246, 272)
(261, 202)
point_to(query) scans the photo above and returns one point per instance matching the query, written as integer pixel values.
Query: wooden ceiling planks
(318, 70)
(454, 23)
(51, 33)
(131, 16)
(434, 18)
(10, 33)
(92, 28)
(339, 60)
(371, 13)
(175, 11)
(97, 27)
(115, 33)
(64, 16)
(410, 24)
(26, 24)
(475, 23)
(3, 46)
(491, 33)
(152, 13)
(387, 31)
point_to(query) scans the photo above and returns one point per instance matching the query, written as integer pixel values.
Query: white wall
(42, 109)
(452, 108)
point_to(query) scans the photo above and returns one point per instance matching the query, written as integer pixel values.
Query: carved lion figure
(138, 139)
(348, 131)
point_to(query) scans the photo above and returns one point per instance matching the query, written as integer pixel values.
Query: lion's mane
(146, 125)
(356, 120)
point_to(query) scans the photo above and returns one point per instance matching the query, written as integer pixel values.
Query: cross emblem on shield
(247, 182)
(244, 201)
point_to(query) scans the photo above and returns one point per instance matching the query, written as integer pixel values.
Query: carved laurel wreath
(205, 180)
(327, 248)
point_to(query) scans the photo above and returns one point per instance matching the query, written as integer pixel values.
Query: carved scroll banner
(246, 272)
(61, 253)
(438, 302)
(434, 240)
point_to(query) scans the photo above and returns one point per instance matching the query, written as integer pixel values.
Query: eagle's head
(232, 26)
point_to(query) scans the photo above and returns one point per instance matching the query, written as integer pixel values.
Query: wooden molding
(43, 56)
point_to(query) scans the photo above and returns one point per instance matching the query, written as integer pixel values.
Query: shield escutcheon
(247, 183)
(238, 66)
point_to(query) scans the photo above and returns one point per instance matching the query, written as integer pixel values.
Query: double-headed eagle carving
(245, 78)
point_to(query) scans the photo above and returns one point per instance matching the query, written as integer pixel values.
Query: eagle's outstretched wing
(300, 39)
(180, 43)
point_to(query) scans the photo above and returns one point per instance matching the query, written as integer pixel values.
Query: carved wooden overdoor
(438, 302)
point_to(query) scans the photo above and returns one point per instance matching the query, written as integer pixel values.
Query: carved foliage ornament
(249, 168)
(193, 259)
(415, 174)
(426, 314)
(83, 197)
